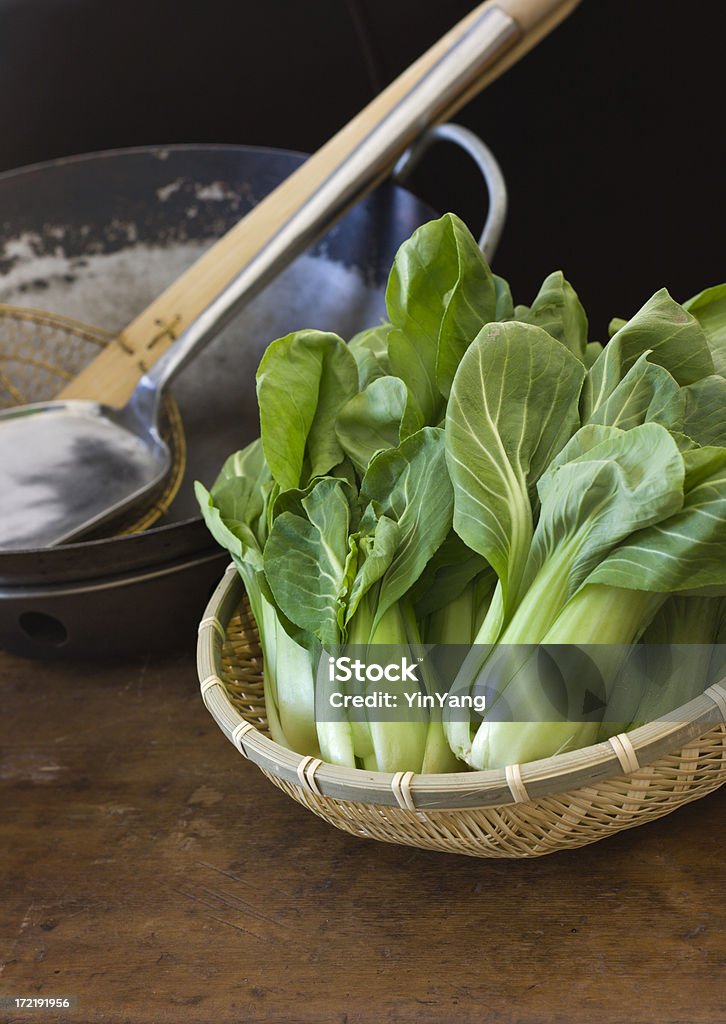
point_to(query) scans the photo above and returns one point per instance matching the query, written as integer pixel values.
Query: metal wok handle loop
(485, 161)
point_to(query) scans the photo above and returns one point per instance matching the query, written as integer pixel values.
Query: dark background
(610, 134)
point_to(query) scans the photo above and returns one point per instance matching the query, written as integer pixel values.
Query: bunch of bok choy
(478, 474)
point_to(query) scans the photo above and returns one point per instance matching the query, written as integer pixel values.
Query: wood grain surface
(151, 872)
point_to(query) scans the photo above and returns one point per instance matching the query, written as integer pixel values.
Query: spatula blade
(67, 466)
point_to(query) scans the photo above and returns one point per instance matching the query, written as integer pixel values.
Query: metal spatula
(68, 465)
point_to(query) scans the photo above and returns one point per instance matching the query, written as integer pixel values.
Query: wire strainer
(39, 353)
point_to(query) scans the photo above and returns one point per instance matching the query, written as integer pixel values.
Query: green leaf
(513, 405)
(701, 463)
(305, 558)
(684, 442)
(705, 410)
(558, 311)
(667, 332)
(370, 351)
(303, 381)
(473, 301)
(234, 535)
(593, 349)
(709, 308)
(293, 500)
(627, 482)
(615, 324)
(235, 510)
(243, 488)
(410, 485)
(377, 418)
(374, 552)
(439, 294)
(504, 308)
(686, 620)
(647, 393)
(583, 441)
(446, 576)
(630, 480)
(686, 551)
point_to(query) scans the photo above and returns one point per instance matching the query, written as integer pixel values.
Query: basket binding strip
(524, 811)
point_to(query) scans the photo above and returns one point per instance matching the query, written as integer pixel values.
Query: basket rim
(587, 766)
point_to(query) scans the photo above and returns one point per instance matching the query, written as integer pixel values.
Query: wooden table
(151, 872)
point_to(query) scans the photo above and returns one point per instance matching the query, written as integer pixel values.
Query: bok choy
(483, 477)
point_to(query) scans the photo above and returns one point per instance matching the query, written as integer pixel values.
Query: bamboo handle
(478, 49)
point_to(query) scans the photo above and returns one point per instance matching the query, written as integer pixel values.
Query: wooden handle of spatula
(478, 49)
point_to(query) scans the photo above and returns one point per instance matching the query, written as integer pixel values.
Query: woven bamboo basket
(528, 810)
